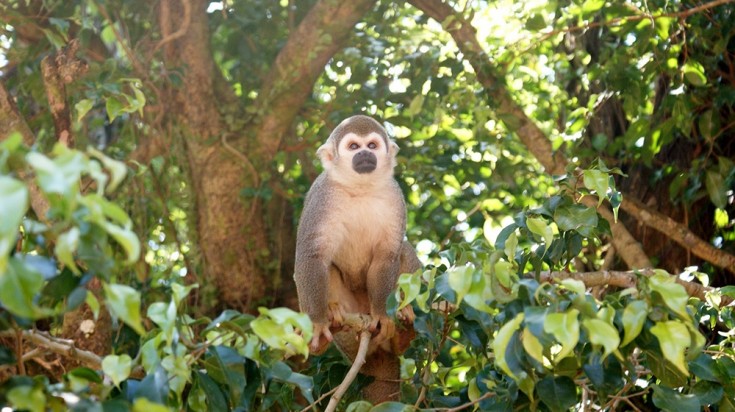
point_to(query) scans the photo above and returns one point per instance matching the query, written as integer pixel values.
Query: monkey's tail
(385, 367)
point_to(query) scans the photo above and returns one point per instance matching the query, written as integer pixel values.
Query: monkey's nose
(364, 162)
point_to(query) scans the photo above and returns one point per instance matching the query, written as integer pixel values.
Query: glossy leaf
(540, 228)
(598, 181)
(674, 295)
(565, 328)
(124, 302)
(673, 337)
(634, 317)
(603, 334)
(117, 367)
(500, 344)
(559, 393)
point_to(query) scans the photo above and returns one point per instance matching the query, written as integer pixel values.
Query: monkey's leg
(340, 299)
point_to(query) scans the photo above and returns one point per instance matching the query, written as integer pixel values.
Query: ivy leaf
(602, 333)
(634, 316)
(28, 398)
(12, 209)
(673, 294)
(539, 227)
(410, 286)
(66, 245)
(565, 328)
(532, 345)
(673, 337)
(716, 188)
(117, 367)
(277, 328)
(671, 400)
(83, 107)
(460, 280)
(124, 302)
(500, 344)
(598, 181)
(559, 393)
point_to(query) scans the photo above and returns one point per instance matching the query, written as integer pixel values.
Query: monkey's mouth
(364, 162)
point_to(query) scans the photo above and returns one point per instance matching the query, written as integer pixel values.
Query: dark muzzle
(364, 162)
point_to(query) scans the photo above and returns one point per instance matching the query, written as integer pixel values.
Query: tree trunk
(230, 230)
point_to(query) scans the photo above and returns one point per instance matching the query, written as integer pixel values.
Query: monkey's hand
(321, 338)
(406, 315)
(336, 314)
(385, 327)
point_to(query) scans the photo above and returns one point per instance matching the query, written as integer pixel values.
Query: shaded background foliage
(217, 121)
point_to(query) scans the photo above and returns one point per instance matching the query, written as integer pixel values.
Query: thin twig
(352, 373)
(321, 398)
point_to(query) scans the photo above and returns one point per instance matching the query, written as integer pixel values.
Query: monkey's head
(358, 150)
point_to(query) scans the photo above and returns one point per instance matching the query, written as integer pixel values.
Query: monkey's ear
(393, 148)
(326, 154)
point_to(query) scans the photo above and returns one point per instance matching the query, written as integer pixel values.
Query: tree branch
(57, 70)
(320, 35)
(11, 122)
(518, 122)
(352, 373)
(678, 233)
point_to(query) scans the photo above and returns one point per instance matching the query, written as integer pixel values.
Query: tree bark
(232, 229)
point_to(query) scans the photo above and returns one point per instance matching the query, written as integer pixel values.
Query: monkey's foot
(321, 338)
(336, 314)
(384, 326)
(406, 315)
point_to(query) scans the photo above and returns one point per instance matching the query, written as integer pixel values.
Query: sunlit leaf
(603, 334)
(409, 284)
(12, 209)
(694, 73)
(673, 336)
(539, 227)
(634, 317)
(66, 245)
(598, 181)
(565, 328)
(460, 280)
(277, 328)
(674, 295)
(500, 344)
(532, 345)
(124, 302)
(82, 108)
(117, 367)
(28, 398)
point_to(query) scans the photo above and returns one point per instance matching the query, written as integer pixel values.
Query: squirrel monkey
(350, 248)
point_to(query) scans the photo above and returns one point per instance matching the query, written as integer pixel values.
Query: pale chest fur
(371, 222)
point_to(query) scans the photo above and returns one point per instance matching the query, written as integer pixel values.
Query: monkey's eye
(354, 146)
(372, 145)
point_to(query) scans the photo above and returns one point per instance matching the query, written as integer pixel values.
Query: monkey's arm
(381, 282)
(311, 276)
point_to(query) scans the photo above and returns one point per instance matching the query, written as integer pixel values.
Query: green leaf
(511, 243)
(576, 217)
(82, 108)
(500, 344)
(124, 302)
(180, 292)
(28, 398)
(504, 272)
(215, 398)
(672, 401)
(539, 227)
(694, 73)
(598, 181)
(716, 188)
(93, 304)
(66, 245)
(634, 317)
(13, 207)
(460, 280)
(144, 405)
(673, 294)
(559, 393)
(673, 337)
(126, 238)
(409, 284)
(18, 288)
(565, 328)
(117, 169)
(114, 108)
(164, 315)
(117, 367)
(60, 175)
(603, 334)
(359, 406)
(277, 328)
(532, 345)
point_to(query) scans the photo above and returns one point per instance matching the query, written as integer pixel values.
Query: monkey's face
(358, 150)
